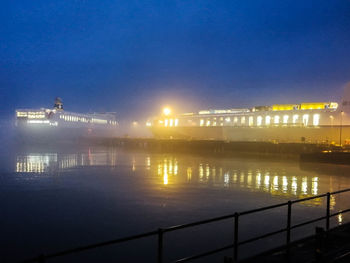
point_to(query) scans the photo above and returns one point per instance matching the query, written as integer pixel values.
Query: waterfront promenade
(328, 245)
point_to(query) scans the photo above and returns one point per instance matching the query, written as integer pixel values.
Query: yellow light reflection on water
(267, 181)
(294, 185)
(226, 179)
(133, 165)
(148, 162)
(249, 178)
(159, 169)
(284, 184)
(314, 185)
(176, 167)
(189, 174)
(304, 186)
(213, 172)
(332, 202)
(241, 177)
(207, 171)
(235, 177)
(270, 180)
(275, 183)
(258, 179)
(165, 173)
(201, 172)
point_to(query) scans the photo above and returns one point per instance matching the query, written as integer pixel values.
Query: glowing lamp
(166, 111)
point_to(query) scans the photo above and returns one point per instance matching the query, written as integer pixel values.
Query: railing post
(289, 222)
(328, 210)
(235, 238)
(160, 245)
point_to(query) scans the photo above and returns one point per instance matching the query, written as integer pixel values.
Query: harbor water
(59, 197)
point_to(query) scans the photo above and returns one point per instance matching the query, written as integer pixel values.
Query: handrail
(236, 243)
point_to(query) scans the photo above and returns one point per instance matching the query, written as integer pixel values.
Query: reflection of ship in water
(45, 162)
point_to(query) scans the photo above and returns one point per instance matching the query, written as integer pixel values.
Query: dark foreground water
(54, 198)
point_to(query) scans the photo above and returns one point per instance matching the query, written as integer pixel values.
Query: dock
(218, 147)
(331, 246)
(337, 157)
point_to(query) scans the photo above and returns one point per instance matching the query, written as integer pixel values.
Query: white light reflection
(284, 184)
(340, 219)
(226, 179)
(267, 181)
(201, 172)
(294, 185)
(165, 173)
(235, 177)
(304, 185)
(148, 162)
(275, 183)
(207, 171)
(258, 180)
(189, 174)
(314, 185)
(241, 177)
(249, 179)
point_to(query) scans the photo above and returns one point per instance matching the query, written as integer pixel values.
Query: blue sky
(133, 57)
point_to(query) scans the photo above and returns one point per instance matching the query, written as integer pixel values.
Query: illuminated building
(56, 123)
(318, 122)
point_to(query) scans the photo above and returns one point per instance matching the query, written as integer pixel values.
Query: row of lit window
(74, 118)
(170, 122)
(266, 120)
(100, 121)
(31, 114)
(86, 120)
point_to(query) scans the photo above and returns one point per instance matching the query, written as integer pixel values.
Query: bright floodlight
(166, 111)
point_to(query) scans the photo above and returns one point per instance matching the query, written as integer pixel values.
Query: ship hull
(57, 134)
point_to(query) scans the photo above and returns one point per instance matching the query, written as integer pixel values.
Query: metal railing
(234, 245)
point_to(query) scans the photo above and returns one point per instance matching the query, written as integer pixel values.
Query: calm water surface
(55, 198)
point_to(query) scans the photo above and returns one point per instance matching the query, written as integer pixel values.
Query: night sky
(134, 57)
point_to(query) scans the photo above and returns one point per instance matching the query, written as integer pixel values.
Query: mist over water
(57, 197)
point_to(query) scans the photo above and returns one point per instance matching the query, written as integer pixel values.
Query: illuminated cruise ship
(317, 122)
(57, 123)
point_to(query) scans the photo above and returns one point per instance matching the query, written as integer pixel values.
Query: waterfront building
(315, 122)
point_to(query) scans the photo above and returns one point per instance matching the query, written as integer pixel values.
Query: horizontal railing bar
(340, 212)
(308, 222)
(318, 219)
(173, 228)
(340, 257)
(110, 242)
(321, 195)
(203, 254)
(249, 211)
(340, 191)
(308, 198)
(262, 209)
(262, 236)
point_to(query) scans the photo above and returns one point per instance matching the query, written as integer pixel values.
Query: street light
(166, 111)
